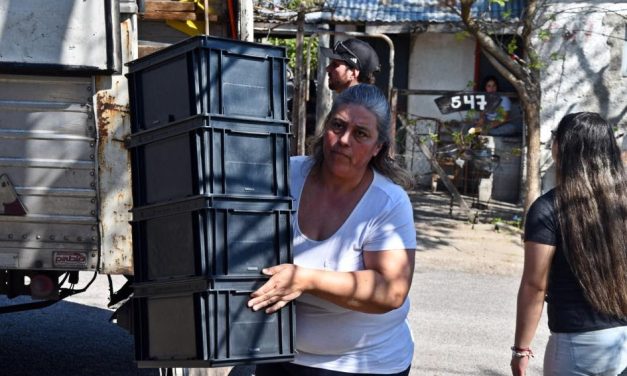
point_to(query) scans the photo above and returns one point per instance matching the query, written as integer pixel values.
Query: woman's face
(490, 86)
(350, 140)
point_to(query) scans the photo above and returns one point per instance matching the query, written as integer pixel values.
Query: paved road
(463, 302)
(68, 338)
(462, 322)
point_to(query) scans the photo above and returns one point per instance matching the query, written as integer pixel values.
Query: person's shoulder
(387, 187)
(548, 197)
(544, 203)
(300, 165)
(300, 160)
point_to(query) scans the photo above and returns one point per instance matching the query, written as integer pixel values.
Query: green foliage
(512, 46)
(499, 2)
(463, 141)
(296, 4)
(544, 35)
(290, 44)
(516, 221)
(556, 56)
(461, 35)
(501, 114)
(516, 152)
(535, 62)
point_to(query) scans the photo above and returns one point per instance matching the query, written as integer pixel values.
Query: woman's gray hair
(372, 99)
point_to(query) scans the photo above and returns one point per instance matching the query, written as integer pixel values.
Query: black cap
(356, 53)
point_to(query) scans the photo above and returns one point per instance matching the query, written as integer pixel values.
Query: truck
(65, 164)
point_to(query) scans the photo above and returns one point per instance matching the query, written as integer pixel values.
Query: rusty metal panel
(114, 174)
(70, 35)
(48, 174)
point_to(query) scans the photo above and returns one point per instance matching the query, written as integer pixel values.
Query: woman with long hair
(576, 256)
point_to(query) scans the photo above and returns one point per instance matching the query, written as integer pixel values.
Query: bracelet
(521, 352)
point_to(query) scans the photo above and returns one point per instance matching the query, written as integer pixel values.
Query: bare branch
(487, 43)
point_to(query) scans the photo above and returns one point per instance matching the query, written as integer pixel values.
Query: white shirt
(332, 337)
(505, 106)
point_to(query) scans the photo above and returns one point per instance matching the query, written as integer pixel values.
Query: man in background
(352, 62)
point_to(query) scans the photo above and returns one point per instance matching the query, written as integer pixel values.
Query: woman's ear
(377, 150)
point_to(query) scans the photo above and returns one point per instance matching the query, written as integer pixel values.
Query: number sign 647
(469, 101)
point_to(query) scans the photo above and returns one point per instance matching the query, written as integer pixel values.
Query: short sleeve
(541, 224)
(393, 228)
(506, 104)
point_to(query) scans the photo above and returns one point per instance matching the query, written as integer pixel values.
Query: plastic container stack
(212, 207)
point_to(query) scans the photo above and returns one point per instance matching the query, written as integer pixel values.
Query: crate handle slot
(239, 292)
(252, 211)
(259, 57)
(248, 132)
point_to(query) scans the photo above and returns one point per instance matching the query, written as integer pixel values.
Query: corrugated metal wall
(393, 11)
(47, 150)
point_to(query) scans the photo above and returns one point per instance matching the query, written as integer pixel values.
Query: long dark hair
(591, 202)
(371, 98)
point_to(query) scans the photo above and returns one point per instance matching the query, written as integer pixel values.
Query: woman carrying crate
(354, 242)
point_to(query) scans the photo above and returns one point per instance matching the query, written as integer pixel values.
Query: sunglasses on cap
(341, 49)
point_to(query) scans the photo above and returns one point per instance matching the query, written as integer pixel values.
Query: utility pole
(298, 105)
(246, 20)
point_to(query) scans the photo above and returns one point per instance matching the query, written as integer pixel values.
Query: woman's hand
(519, 365)
(287, 282)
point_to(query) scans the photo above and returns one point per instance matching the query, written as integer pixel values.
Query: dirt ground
(448, 241)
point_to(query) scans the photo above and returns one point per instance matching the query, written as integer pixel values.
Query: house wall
(584, 53)
(585, 69)
(437, 61)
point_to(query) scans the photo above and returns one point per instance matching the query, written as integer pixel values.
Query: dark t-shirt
(567, 308)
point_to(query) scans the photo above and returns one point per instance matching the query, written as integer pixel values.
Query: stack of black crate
(210, 152)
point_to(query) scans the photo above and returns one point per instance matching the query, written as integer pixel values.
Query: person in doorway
(576, 256)
(497, 123)
(353, 61)
(354, 242)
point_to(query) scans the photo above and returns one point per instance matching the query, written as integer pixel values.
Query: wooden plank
(447, 182)
(147, 50)
(440, 171)
(176, 16)
(168, 6)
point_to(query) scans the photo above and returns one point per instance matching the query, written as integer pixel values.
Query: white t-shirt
(327, 335)
(504, 106)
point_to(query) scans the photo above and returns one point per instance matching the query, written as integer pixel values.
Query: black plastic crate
(207, 75)
(207, 323)
(211, 237)
(210, 155)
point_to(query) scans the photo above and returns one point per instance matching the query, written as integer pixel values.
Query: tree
(523, 72)
(298, 8)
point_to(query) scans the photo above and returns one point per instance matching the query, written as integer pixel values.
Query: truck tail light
(42, 286)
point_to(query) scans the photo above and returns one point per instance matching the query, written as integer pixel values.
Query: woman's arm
(531, 295)
(502, 118)
(381, 287)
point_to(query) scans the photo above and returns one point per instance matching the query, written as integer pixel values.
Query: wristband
(521, 352)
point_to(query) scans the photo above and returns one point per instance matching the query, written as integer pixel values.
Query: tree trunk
(298, 105)
(532, 121)
(323, 94)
